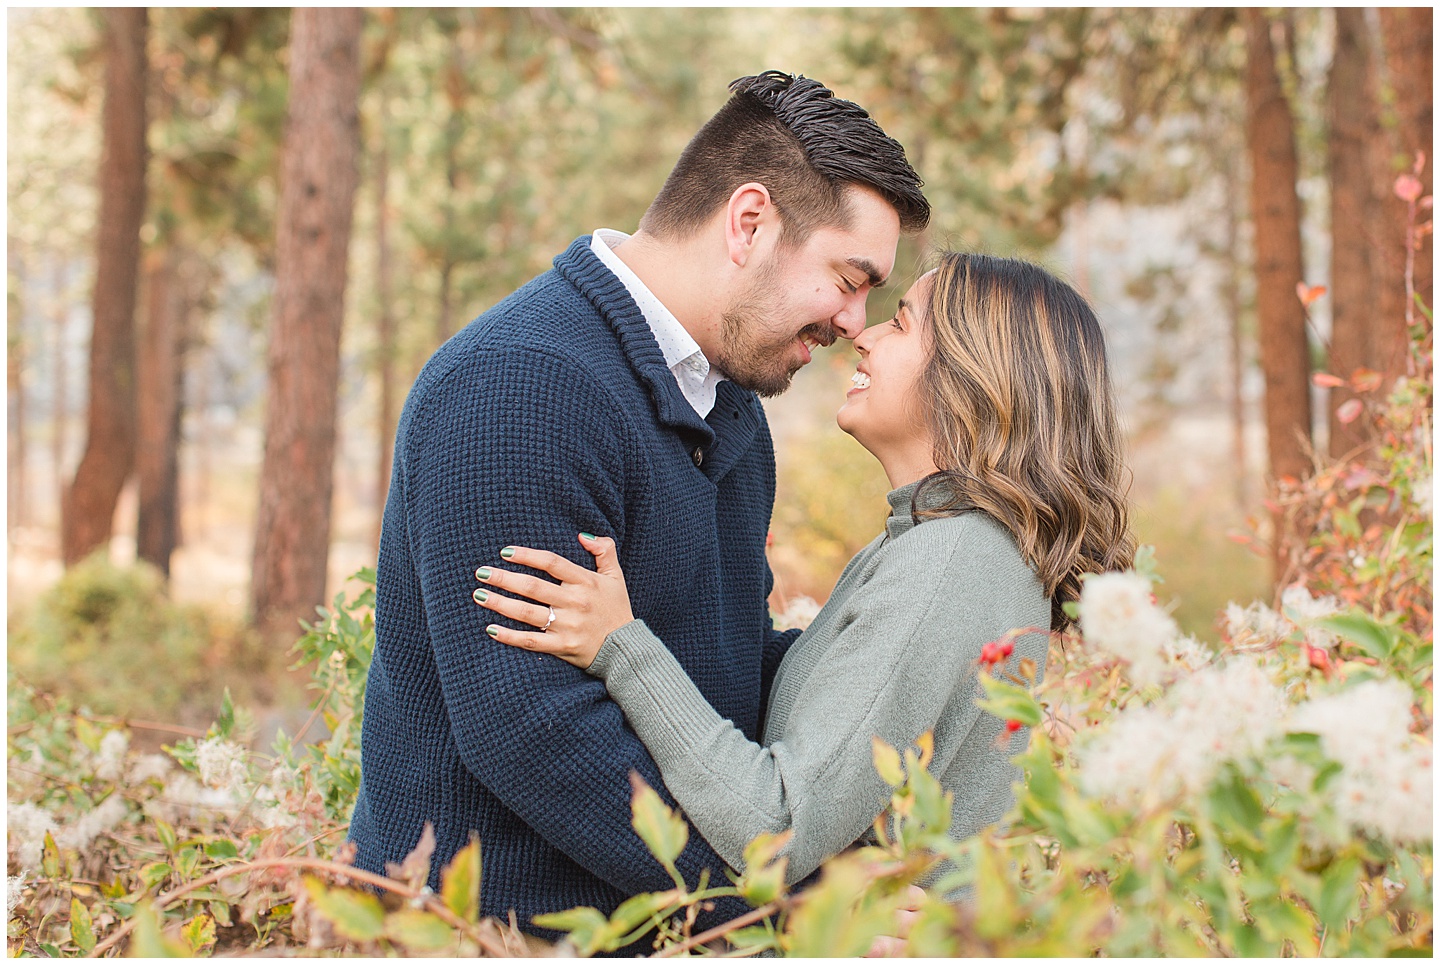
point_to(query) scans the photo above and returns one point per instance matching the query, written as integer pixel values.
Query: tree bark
(1410, 53)
(1388, 339)
(384, 292)
(319, 174)
(60, 375)
(1352, 116)
(1275, 208)
(1234, 307)
(16, 510)
(161, 373)
(88, 507)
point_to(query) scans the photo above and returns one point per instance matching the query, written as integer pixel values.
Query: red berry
(1013, 725)
(1007, 648)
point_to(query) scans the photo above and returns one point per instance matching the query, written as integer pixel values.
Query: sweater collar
(579, 265)
(901, 520)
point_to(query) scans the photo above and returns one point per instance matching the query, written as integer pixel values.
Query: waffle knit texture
(550, 415)
(892, 654)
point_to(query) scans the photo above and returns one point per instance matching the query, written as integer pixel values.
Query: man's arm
(527, 449)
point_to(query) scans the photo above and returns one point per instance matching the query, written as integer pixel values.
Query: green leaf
(356, 915)
(221, 849)
(88, 734)
(764, 877)
(1339, 894)
(754, 938)
(663, 831)
(199, 933)
(887, 762)
(187, 861)
(585, 927)
(167, 835)
(50, 857)
(225, 723)
(155, 873)
(418, 929)
(1374, 638)
(82, 930)
(460, 882)
(150, 942)
(1146, 565)
(1009, 702)
(635, 911)
(220, 911)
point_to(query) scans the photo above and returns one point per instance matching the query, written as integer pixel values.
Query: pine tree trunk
(60, 376)
(1388, 342)
(1275, 210)
(1410, 53)
(385, 296)
(16, 510)
(157, 462)
(319, 174)
(1234, 309)
(88, 508)
(1353, 302)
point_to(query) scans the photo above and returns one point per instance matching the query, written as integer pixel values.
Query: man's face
(808, 296)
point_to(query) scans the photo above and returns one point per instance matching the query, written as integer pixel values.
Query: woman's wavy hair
(1018, 396)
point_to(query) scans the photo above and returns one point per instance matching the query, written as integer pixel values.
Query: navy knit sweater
(552, 414)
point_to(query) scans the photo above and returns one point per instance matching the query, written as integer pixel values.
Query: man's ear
(751, 220)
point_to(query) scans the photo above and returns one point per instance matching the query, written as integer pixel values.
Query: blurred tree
(89, 504)
(1275, 208)
(1353, 117)
(16, 509)
(1410, 55)
(161, 377)
(319, 176)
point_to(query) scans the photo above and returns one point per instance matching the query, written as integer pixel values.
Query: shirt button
(698, 455)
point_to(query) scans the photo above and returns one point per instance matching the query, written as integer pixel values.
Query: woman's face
(882, 410)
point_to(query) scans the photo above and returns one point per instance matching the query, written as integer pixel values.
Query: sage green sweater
(892, 654)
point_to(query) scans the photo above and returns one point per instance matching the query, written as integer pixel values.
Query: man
(615, 395)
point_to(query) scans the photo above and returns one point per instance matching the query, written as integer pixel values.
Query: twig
(748, 918)
(319, 707)
(431, 903)
(310, 841)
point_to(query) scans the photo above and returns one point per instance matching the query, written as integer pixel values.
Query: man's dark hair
(806, 145)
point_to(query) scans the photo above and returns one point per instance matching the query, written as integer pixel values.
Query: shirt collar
(676, 344)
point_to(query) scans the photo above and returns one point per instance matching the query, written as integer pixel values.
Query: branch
(748, 918)
(430, 902)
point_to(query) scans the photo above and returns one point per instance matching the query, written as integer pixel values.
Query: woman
(987, 400)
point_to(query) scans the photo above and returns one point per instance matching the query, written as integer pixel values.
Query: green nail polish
(493, 630)
(508, 552)
(587, 535)
(479, 596)
(483, 573)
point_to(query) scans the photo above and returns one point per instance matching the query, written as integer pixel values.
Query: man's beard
(747, 356)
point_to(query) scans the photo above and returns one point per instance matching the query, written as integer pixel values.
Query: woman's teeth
(860, 380)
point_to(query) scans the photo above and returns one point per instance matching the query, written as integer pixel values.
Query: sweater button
(698, 455)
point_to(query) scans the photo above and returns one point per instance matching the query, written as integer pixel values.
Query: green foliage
(99, 633)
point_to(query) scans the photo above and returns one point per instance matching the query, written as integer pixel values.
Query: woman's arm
(893, 650)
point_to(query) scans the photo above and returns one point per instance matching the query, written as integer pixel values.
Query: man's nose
(850, 321)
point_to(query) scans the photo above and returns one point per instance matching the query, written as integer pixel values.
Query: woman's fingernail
(483, 573)
(493, 630)
(586, 536)
(479, 596)
(508, 552)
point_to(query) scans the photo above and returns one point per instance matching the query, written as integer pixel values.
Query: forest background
(206, 363)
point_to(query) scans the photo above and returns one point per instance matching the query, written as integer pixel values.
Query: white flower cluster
(106, 815)
(1257, 623)
(1119, 617)
(1151, 753)
(149, 767)
(801, 611)
(222, 763)
(1386, 783)
(1424, 494)
(14, 884)
(110, 758)
(26, 825)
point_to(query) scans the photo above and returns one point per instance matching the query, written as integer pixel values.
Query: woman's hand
(575, 617)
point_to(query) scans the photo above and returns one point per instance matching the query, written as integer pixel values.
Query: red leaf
(1366, 380)
(1309, 296)
(1325, 380)
(1349, 412)
(1408, 188)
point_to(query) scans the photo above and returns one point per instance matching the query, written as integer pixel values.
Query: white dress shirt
(692, 370)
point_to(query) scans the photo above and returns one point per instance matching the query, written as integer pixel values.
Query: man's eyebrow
(872, 273)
